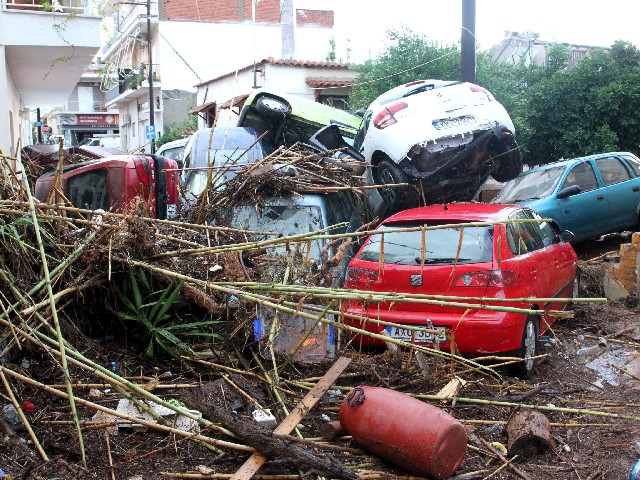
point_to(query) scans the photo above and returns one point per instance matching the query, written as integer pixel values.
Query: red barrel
(412, 434)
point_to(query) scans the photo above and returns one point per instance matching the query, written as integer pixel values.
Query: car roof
(124, 159)
(464, 212)
(175, 143)
(572, 161)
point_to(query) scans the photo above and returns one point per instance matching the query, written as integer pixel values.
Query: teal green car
(288, 119)
(588, 196)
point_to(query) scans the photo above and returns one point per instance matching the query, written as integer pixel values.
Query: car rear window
(442, 246)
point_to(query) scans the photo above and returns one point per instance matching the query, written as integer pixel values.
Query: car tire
(509, 161)
(272, 107)
(395, 197)
(528, 348)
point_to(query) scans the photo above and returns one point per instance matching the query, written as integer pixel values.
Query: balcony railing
(82, 7)
(133, 79)
(76, 106)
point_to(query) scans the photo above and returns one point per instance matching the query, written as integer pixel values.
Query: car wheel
(272, 107)
(389, 173)
(509, 161)
(528, 348)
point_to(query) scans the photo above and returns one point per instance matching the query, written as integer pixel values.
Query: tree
(409, 56)
(589, 109)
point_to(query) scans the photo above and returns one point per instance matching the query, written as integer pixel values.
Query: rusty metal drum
(405, 431)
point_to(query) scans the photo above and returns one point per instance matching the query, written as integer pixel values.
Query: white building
(191, 42)
(44, 49)
(329, 83)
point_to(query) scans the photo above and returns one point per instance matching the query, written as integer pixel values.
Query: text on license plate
(453, 122)
(406, 335)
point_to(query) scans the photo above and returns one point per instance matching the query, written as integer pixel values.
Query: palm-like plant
(151, 310)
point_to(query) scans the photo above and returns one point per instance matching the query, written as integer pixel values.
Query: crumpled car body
(286, 119)
(445, 137)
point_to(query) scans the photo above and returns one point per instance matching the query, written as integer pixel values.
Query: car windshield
(530, 186)
(174, 153)
(442, 246)
(285, 220)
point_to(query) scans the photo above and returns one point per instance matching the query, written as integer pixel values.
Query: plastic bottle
(113, 367)
(634, 473)
(11, 414)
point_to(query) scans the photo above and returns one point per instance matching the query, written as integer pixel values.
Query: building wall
(221, 10)
(284, 79)
(190, 51)
(13, 128)
(175, 106)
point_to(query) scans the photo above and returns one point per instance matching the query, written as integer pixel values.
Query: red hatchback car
(520, 258)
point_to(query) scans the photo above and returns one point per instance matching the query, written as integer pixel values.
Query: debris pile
(124, 321)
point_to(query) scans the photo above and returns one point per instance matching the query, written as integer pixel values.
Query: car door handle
(636, 189)
(600, 197)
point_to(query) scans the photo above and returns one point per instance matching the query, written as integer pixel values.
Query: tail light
(144, 170)
(486, 278)
(477, 89)
(362, 275)
(386, 118)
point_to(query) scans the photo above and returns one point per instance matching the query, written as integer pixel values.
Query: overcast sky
(585, 22)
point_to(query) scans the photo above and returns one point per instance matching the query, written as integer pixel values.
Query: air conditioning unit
(125, 119)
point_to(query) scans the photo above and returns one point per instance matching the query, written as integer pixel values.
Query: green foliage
(408, 57)
(558, 112)
(179, 131)
(331, 56)
(151, 312)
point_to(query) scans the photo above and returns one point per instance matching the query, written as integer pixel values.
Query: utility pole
(150, 78)
(468, 42)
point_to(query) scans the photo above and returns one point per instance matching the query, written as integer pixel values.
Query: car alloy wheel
(528, 349)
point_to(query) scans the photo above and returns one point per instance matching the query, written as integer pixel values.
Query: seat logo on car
(415, 280)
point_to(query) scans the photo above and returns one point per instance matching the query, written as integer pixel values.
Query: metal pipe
(150, 79)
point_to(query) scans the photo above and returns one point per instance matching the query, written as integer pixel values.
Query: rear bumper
(478, 332)
(420, 162)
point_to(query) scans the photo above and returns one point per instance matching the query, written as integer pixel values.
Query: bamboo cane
(47, 279)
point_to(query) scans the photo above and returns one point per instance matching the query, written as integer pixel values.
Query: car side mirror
(568, 191)
(330, 138)
(567, 236)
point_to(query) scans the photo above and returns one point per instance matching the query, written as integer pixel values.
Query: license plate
(171, 210)
(452, 123)
(406, 335)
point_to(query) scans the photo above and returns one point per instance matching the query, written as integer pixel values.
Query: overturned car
(443, 137)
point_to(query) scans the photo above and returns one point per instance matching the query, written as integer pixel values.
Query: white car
(173, 150)
(443, 137)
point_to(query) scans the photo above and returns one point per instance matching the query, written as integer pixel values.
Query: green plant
(150, 310)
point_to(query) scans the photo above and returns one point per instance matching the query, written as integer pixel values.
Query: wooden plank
(256, 460)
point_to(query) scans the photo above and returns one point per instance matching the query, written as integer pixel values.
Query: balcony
(132, 84)
(130, 23)
(48, 45)
(78, 7)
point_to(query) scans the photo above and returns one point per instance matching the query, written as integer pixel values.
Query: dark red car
(517, 259)
(112, 183)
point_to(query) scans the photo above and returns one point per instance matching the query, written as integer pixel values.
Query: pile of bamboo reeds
(59, 262)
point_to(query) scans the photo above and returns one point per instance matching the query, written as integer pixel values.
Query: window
(442, 246)
(133, 130)
(612, 170)
(633, 161)
(583, 176)
(336, 101)
(89, 190)
(526, 237)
